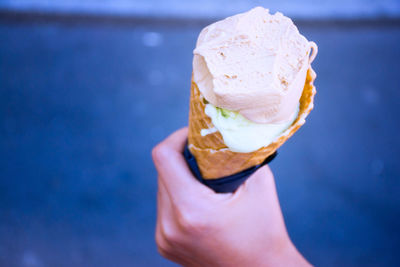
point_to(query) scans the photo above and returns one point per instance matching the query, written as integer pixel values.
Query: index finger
(172, 167)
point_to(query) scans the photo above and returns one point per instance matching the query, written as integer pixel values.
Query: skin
(198, 227)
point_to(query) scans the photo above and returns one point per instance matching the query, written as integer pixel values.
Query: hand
(198, 227)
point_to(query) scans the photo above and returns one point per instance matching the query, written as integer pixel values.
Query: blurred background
(88, 87)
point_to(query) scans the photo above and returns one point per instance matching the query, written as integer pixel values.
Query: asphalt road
(81, 106)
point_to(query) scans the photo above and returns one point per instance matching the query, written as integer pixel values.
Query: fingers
(163, 203)
(164, 207)
(173, 170)
(166, 231)
(177, 140)
(164, 221)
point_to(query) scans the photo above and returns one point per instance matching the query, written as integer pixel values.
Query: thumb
(260, 189)
(260, 182)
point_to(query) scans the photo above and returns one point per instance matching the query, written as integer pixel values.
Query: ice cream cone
(214, 158)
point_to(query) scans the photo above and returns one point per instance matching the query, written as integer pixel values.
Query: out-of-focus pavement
(81, 106)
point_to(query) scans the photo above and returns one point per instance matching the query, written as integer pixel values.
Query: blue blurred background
(89, 87)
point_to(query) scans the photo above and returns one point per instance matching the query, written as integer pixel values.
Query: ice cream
(240, 134)
(254, 64)
(252, 89)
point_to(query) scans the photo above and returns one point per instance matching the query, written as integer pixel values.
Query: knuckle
(193, 222)
(170, 234)
(159, 153)
(161, 244)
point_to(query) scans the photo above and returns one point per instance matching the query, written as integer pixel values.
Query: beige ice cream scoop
(254, 63)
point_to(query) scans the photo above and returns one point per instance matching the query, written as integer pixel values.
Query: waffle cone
(214, 158)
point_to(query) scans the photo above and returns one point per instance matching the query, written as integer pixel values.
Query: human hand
(198, 227)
